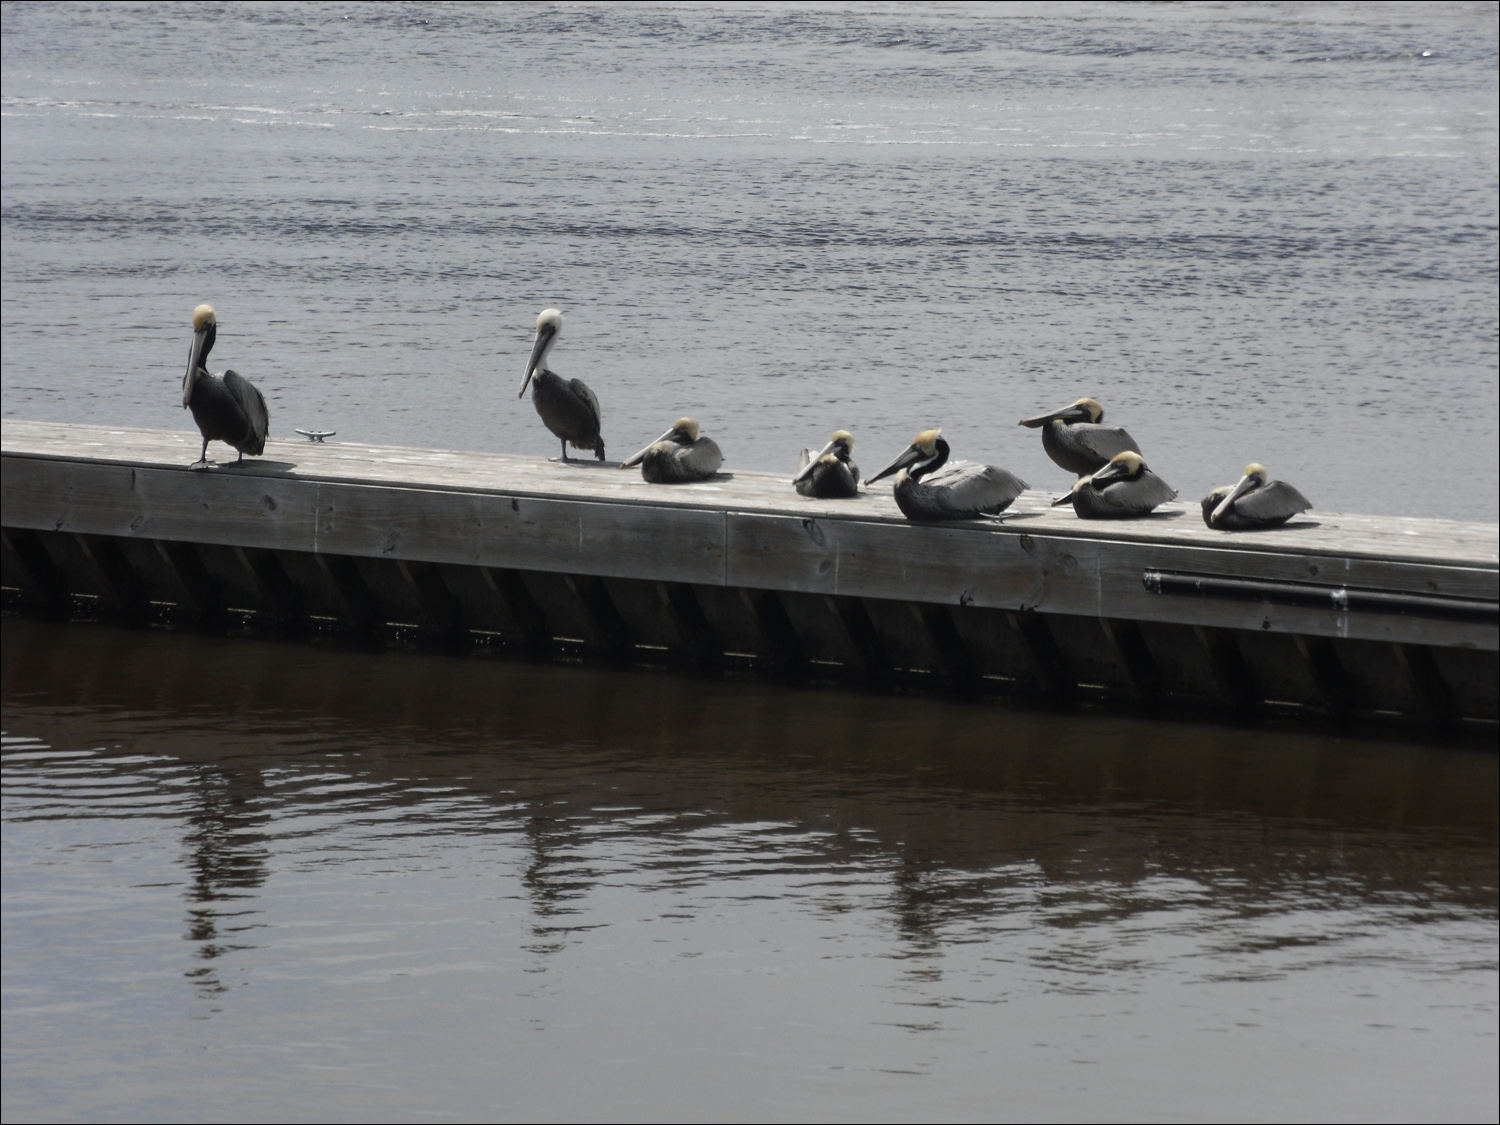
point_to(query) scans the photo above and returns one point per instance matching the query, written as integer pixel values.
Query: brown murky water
(248, 879)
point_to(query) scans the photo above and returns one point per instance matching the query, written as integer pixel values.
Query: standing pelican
(962, 491)
(678, 456)
(227, 407)
(1123, 489)
(1257, 502)
(567, 406)
(1074, 438)
(831, 475)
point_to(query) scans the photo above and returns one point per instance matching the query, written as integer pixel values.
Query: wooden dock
(1334, 614)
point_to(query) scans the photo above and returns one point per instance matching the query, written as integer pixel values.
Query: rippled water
(1255, 232)
(258, 879)
(246, 880)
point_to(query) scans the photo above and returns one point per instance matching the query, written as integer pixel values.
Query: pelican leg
(565, 456)
(241, 456)
(202, 457)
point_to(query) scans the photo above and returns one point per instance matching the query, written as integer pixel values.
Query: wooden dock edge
(970, 609)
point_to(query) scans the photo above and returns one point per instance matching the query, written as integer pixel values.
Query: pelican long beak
(1115, 470)
(813, 464)
(1065, 498)
(636, 458)
(1073, 413)
(1245, 485)
(195, 361)
(544, 336)
(909, 456)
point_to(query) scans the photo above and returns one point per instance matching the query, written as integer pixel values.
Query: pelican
(925, 490)
(567, 406)
(678, 456)
(1124, 488)
(227, 407)
(831, 475)
(1255, 503)
(1074, 438)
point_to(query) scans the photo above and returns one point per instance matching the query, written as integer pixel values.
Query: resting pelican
(1255, 503)
(1074, 439)
(567, 406)
(925, 490)
(831, 475)
(1124, 488)
(226, 407)
(678, 456)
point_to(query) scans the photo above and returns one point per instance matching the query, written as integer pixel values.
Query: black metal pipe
(1344, 599)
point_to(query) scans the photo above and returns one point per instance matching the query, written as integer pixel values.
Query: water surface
(248, 879)
(1255, 232)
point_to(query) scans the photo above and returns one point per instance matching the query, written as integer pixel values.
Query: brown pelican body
(567, 407)
(679, 456)
(1254, 504)
(929, 488)
(1124, 489)
(831, 474)
(1075, 440)
(227, 407)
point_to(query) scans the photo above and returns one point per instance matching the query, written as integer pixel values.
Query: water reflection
(351, 820)
(732, 779)
(226, 859)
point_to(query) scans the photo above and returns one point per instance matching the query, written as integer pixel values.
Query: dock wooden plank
(1449, 542)
(743, 530)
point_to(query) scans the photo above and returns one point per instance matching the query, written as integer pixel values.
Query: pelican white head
(205, 327)
(922, 452)
(1255, 477)
(548, 329)
(684, 431)
(1084, 410)
(1122, 466)
(842, 440)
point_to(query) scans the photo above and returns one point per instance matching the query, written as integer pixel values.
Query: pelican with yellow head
(226, 407)
(1254, 504)
(1124, 489)
(567, 407)
(1076, 438)
(831, 474)
(679, 456)
(929, 488)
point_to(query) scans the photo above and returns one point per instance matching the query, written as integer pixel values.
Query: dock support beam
(508, 586)
(1230, 669)
(438, 602)
(203, 596)
(782, 645)
(360, 608)
(1041, 649)
(27, 548)
(276, 587)
(1328, 673)
(692, 625)
(599, 608)
(953, 654)
(1428, 683)
(122, 584)
(1135, 657)
(863, 640)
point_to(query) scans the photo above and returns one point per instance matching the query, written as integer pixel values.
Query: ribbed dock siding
(1346, 616)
